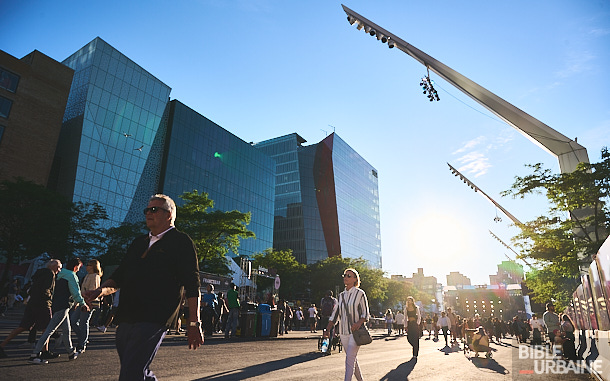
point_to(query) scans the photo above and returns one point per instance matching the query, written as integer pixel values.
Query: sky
(267, 68)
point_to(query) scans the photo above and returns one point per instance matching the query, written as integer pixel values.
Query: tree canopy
(575, 227)
(214, 233)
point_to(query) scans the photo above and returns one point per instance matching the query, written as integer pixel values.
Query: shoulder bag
(361, 335)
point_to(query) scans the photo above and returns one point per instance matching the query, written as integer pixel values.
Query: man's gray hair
(169, 204)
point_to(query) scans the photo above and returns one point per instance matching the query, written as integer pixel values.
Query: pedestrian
(552, 324)
(327, 306)
(480, 343)
(435, 324)
(222, 311)
(13, 291)
(288, 316)
(351, 311)
(299, 318)
(37, 314)
(537, 328)
(233, 305)
(79, 318)
(445, 324)
(429, 326)
(66, 288)
(389, 320)
(313, 318)
(208, 318)
(151, 276)
(400, 323)
(568, 346)
(413, 315)
(452, 317)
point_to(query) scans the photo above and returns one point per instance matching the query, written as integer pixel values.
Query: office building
(111, 121)
(326, 200)
(200, 154)
(33, 95)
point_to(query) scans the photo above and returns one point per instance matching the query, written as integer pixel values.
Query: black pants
(445, 332)
(413, 336)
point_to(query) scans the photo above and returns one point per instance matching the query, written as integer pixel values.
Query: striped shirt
(358, 305)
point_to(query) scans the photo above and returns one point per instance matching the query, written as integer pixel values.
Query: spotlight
(380, 36)
(367, 29)
(351, 20)
(384, 39)
(372, 32)
(360, 25)
(391, 44)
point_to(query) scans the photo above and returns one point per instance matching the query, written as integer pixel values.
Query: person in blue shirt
(208, 318)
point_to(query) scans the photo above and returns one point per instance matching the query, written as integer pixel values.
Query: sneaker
(102, 329)
(48, 355)
(36, 359)
(73, 356)
(3, 355)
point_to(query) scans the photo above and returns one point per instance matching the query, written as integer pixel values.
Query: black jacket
(151, 287)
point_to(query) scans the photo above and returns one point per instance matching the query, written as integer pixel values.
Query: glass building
(326, 200)
(201, 155)
(112, 119)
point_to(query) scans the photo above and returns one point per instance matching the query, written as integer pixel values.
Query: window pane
(8, 80)
(5, 107)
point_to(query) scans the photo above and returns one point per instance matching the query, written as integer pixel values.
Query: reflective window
(8, 80)
(5, 107)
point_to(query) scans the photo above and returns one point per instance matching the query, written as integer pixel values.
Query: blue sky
(262, 69)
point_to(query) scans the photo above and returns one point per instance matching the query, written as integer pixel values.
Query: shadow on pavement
(491, 364)
(401, 372)
(261, 369)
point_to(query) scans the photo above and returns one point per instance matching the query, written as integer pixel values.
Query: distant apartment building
(326, 200)
(33, 95)
(421, 282)
(455, 278)
(509, 272)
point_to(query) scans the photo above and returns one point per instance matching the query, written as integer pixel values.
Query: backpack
(327, 306)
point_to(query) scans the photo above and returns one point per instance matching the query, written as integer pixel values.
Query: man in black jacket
(151, 277)
(38, 310)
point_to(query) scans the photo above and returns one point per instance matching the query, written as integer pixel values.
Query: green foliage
(282, 262)
(33, 220)
(85, 237)
(574, 229)
(214, 233)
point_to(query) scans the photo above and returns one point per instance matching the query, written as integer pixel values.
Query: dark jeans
(413, 336)
(445, 333)
(137, 345)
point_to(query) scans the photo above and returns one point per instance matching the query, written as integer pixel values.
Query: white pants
(351, 362)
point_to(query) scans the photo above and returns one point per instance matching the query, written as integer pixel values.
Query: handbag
(362, 335)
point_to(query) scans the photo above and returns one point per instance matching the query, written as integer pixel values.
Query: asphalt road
(292, 357)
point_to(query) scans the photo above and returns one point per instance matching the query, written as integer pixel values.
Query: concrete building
(509, 272)
(33, 95)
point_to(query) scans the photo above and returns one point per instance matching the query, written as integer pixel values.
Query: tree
(85, 236)
(573, 230)
(33, 220)
(214, 233)
(284, 263)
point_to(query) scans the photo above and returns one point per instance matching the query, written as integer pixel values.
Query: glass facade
(110, 126)
(327, 200)
(202, 155)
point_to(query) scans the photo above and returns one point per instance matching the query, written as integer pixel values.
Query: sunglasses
(348, 276)
(154, 209)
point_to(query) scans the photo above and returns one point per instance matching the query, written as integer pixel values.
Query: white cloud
(474, 163)
(470, 144)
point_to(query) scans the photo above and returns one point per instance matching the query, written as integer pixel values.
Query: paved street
(292, 357)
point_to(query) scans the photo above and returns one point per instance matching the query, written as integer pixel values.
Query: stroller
(334, 343)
